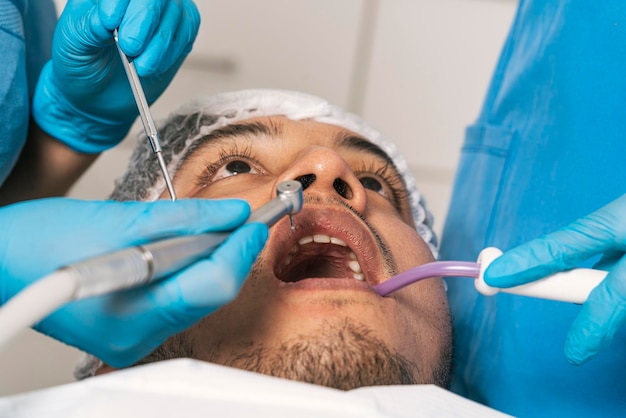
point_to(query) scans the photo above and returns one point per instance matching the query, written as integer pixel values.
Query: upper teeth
(353, 264)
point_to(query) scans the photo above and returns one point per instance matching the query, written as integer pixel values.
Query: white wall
(416, 69)
(431, 64)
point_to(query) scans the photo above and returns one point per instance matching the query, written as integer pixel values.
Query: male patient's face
(307, 310)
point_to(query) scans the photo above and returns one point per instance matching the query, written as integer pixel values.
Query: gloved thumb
(561, 250)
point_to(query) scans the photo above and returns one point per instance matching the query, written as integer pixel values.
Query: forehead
(293, 134)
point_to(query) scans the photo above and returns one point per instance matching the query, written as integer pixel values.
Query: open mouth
(329, 244)
(319, 256)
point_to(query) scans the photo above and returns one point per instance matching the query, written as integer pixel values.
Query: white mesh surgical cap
(182, 129)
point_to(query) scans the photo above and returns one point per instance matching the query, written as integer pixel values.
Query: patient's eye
(236, 167)
(382, 179)
(372, 184)
(232, 161)
(232, 168)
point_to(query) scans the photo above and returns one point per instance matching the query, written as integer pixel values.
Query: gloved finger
(163, 218)
(80, 30)
(211, 283)
(608, 260)
(601, 316)
(140, 20)
(172, 41)
(112, 12)
(158, 49)
(558, 251)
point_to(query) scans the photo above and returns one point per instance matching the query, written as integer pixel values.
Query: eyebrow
(362, 144)
(234, 131)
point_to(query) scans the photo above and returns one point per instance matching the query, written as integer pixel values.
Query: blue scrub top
(548, 148)
(26, 29)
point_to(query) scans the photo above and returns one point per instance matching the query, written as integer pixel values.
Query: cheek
(186, 180)
(408, 248)
(256, 193)
(425, 317)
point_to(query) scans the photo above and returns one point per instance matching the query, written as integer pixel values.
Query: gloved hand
(83, 97)
(604, 312)
(121, 328)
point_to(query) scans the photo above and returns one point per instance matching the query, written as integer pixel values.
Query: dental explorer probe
(130, 267)
(144, 112)
(567, 286)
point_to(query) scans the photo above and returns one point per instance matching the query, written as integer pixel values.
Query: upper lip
(335, 222)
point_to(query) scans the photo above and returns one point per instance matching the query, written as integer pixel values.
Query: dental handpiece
(143, 264)
(144, 113)
(571, 286)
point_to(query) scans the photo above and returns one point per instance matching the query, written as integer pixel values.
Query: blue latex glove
(121, 328)
(603, 232)
(83, 97)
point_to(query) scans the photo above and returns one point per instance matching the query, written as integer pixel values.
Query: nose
(323, 171)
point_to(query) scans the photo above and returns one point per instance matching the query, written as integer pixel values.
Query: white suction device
(568, 286)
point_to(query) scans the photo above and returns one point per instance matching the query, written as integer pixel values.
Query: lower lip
(320, 284)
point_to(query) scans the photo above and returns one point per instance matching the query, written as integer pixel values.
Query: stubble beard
(340, 354)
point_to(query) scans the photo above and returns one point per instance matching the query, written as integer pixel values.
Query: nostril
(342, 188)
(306, 180)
